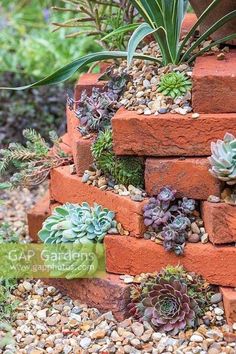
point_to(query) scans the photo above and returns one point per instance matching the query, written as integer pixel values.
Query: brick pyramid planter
(175, 148)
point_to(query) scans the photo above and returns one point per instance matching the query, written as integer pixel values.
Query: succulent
(124, 170)
(33, 161)
(77, 223)
(169, 218)
(170, 300)
(96, 110)
(223, 159)
(174, 84)
(166, 305)
(155, 214)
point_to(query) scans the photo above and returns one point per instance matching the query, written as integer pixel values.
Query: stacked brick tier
(175, 148)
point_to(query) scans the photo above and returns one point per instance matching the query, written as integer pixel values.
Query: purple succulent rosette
(170, 218)
(166, 306)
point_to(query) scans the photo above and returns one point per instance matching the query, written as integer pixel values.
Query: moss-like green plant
(124, 170)
(174, 84)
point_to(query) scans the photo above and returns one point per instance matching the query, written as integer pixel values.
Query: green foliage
(42, 109)
(26, 45)
(7, 234)
(174, 84)
(171, 300)
(32, 160)
(163, 19)
(95, 19)
(166, 33)
(223, 159)
(78, 224)
(7, 306)
(124, 170)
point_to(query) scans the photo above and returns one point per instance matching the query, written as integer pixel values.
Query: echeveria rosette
(155, 214)
(174, 84)
(170, 218)
(77, 223)
(187, 206)
(223, 159)
(166, 305)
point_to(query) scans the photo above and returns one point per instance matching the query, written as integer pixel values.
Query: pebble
(218, 311)
(216, 298)
(195, 229)
(213, 199)
(137, 329)
(195, 115)
(85, 342)
(194, 238)
(204, 238)
(196, 338)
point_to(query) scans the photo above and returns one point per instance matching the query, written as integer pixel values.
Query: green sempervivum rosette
(174, 84)
(223, 159)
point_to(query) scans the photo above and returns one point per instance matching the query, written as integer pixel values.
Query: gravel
(47, 322)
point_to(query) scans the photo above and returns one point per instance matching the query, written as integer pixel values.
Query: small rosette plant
(174, 84)
(170, 218)
(223, 159)
(82, 227)
(170, 301)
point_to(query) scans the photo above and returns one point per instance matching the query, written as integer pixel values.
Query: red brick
(220, 222)
(69, 188)
(190, 177)
(37, 215)
(81, 148)
(127, 255)
(229, 298)
(214, 84)
(168, 134)
(189, 21)
(106, 294)
(87, 82)
(65, 144)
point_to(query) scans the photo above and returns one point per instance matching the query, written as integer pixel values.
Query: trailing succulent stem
(171, 300)
(170, 218)
(223, 159)
(174, 84)
(33, 161)
(124, 170)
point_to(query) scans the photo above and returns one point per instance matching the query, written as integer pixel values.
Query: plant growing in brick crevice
(96, 110)
(83, 228)
(223, 159)
(171, 300)
(174, 84)
(124, 170)
(32, 161)
(169, 218)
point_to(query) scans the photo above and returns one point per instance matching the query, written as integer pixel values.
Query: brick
(81, 148)
(69, 188)
(229, 299)
(64, 144)
(37, 215)
(168, 134)
(127, 255)
(106, 294)
(214, 84)
(190, 177)
(87, 82)
(220, 222)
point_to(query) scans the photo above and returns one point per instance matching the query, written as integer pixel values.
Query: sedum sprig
(33, 161)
